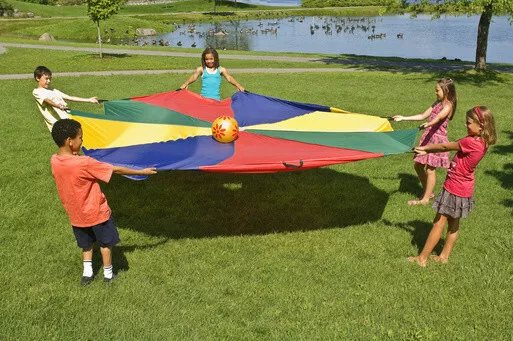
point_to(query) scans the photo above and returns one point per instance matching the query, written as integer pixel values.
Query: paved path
(357, 64)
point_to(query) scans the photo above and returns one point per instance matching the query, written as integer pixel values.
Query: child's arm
(192, 79)
(130, 171)
(80, 99)
(418, 117)
(230, 79)
(437, 148)
(55, 105)
(446, 110)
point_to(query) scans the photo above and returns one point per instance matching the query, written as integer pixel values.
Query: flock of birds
(319, 25)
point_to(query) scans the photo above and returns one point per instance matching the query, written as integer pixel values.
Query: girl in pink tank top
(435, 132)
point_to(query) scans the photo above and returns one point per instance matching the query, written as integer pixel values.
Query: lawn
(312, 255)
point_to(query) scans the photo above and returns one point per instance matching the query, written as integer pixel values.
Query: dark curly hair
(213, 52)
(63, 129)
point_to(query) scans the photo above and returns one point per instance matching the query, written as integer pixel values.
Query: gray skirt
(453, 205)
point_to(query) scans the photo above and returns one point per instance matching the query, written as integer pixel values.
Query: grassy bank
(72, 24)
(314, 255)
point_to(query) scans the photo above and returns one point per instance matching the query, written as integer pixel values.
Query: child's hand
(240, 88)
(148, 171)
(398, 118)
(184, 86)
(94, 100)
(419, 151)
(423, 126)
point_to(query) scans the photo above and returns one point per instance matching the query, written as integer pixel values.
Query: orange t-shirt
(77, 178)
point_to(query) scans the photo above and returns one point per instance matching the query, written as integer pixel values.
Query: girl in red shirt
(456, 199)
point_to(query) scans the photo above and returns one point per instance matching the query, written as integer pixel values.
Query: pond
(398, 35)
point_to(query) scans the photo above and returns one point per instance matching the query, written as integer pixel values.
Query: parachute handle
(289, 165)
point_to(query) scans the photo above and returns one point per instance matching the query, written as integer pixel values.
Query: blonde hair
(484, 117)
(449, 90)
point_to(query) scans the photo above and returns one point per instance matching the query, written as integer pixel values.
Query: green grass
(313, 255)
(16, 60)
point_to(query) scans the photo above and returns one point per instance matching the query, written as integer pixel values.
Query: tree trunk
(99, 38)
(482, 37)
(215, 3)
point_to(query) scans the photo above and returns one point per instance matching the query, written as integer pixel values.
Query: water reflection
(449, 37)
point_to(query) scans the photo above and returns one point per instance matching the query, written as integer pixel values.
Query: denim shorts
(105, 233)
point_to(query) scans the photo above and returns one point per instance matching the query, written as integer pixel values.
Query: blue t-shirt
(211, 84)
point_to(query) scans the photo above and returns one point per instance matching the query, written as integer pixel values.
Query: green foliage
(102, 9)
(41, 2)
(6, 9)
(343, 3)
(499, 7)
(49, 11)
(71, 2)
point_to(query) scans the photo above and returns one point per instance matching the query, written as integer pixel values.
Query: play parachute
(173, 131)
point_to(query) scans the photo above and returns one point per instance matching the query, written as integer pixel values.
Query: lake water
(398, 35)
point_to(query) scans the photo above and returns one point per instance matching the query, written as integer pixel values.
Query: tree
(5, 9)
(485, 8)
(102, 10)
(215, 4)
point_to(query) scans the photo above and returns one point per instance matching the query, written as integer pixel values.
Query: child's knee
(418, 166)
(453, 226)
(453, 229)
(430, 169)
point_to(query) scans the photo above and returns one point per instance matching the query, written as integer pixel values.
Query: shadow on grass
(409, 183)
(472, 77)
(109, 55)
(419, 231)
(505, 176)
(461, 72)
(198, 204)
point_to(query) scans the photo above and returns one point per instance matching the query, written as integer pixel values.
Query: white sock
(88, 268)
(107, 272)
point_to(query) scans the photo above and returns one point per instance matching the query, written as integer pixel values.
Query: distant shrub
(41, 2)
(71, 2)
(344, 3)
(6, 9)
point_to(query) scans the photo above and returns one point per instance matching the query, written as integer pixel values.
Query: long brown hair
(213, 52)
(484, 117)
(449, 90)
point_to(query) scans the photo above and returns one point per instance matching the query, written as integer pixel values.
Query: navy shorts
(105, 233)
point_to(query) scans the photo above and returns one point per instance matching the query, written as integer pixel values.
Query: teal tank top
(211, 84)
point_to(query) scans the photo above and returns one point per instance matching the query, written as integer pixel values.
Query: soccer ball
(225, 129)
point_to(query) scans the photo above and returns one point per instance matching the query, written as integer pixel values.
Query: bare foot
(438, 259)
(431, 196)
(421, 263)
(418, 202)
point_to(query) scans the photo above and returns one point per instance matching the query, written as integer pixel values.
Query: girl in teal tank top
(211, 84)
(211, 73)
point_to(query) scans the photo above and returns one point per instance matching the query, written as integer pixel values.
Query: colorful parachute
(173, 131)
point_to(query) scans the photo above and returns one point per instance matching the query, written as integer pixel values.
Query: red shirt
(460, 176)
(77, 178)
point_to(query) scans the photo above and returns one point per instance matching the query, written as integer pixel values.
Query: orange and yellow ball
(225, 129)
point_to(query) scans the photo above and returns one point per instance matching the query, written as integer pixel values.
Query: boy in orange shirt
(77, 179)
